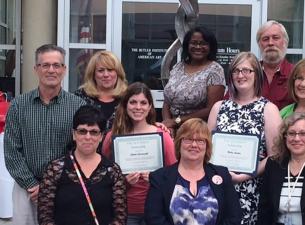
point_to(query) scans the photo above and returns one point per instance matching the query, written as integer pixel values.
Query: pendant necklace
(291, 190)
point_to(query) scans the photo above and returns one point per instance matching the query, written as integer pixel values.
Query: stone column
(39, 26)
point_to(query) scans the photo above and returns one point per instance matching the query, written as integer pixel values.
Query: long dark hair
(122, 123)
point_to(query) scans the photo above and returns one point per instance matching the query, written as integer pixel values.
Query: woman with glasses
(195, 83)
(104, 83)
(282, 194)
(247, 112)
(136, 115)
(83, 187)
(192, 191)
(296, 87)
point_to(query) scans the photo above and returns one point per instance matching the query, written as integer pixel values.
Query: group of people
(58, 144)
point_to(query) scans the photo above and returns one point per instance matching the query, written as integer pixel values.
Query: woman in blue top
(192, 191)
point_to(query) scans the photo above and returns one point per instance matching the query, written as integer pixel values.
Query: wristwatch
(178, 120)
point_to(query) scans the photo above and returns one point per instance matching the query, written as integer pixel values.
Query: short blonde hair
(187, 130)
(109, 60)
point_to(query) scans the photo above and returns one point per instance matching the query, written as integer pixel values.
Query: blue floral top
(187, 209)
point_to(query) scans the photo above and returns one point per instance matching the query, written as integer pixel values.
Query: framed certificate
(138, 153)
(237, 152)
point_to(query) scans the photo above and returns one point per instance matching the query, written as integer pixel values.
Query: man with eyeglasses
(272, 39)
(38, 128)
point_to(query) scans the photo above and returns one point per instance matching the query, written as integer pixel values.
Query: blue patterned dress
(246, 119)
(187, 209)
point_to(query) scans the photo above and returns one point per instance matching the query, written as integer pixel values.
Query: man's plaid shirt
(37, 133)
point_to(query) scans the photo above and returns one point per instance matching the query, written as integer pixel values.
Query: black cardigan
(270, 192)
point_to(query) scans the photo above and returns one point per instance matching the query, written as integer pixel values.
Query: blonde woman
(104, 83)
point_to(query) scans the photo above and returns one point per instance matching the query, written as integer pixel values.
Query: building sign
(226, 52)
(142, 61)
(149, 53)
(225, 55)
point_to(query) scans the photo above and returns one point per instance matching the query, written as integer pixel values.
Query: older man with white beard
(272, 39)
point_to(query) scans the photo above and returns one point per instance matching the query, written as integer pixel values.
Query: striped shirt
(294, 216)
(37, 133)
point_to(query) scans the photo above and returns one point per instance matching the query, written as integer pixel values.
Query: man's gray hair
(267, 25)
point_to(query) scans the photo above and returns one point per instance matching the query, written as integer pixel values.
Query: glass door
(82, 30)
(144, 29)
(234, 25)
(143, 32)
(10, 47)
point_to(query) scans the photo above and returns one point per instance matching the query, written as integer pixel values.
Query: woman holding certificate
(192, 191)
(282, 194)
(247, 112)
(135, 115)
(83, 187)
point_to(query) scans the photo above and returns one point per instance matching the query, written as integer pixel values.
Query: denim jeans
(135, 219)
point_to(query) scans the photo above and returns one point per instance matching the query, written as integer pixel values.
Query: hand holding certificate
(138, 153)
(237, 152)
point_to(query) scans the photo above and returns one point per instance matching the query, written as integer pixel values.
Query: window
(8, 30)
(148, 29)
(86, 23)
(228, 22)
(291, 15)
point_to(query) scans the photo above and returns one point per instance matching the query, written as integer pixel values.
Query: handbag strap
(3, 94)
(84, 189)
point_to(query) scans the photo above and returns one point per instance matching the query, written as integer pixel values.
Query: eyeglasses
(190, 141)
(293, 134)
(199, 43)
(299, 78)
(243, 71)
(46, 66)
(84, 132)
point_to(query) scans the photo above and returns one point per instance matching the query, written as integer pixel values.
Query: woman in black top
(62, 199)
(282, 194)
(104, 83)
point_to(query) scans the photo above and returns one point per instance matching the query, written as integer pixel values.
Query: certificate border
(115, 138)
(251, 171)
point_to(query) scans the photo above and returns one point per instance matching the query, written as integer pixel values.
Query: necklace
(290, 191)
(82, 183)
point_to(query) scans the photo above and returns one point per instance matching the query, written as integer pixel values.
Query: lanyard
(293, 187)
(84, 189)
